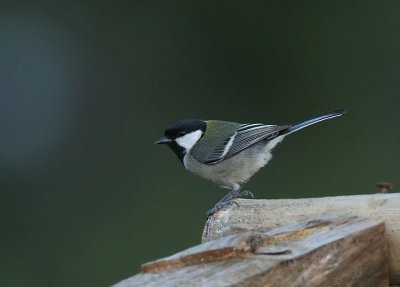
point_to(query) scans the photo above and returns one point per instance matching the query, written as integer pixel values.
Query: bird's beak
(163, 140)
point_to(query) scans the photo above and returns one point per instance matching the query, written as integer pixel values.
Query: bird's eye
(181, 133)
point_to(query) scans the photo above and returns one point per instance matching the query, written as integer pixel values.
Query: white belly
(233, 172)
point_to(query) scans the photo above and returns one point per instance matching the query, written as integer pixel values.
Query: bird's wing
(212, 146)
(249, 134)
(244, 136)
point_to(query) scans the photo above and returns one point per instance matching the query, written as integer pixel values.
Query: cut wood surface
(250, 215)
(326, 251)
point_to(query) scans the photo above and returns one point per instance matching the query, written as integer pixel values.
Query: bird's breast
(236, 170)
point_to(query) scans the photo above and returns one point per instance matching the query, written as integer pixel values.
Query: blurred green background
(87, 87)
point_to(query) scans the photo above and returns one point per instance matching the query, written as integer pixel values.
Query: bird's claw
(245, 194)
(229, 199)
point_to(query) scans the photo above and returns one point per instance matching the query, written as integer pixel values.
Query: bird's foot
(228, 199)
(246, 194)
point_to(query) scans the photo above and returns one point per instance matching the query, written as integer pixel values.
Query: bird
(228, 153)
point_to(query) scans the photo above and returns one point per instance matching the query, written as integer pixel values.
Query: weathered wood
(327, 251)
(249, 215)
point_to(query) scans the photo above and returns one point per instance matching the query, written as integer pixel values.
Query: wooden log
(249, 215)
(328, 251)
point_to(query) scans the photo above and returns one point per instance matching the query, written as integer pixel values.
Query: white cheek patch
(189, 140)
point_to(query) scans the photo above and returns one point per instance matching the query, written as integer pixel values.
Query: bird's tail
(316, 119)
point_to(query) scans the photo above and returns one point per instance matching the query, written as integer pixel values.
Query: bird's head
(182, 135)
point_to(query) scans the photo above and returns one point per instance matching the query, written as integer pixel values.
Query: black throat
(178, 150)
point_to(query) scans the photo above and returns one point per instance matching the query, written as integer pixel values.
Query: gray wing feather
(246, 135)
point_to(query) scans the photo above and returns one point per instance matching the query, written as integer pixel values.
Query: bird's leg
(228, 198)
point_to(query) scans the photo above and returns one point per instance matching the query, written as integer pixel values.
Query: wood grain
(328, 251)
(248, 215)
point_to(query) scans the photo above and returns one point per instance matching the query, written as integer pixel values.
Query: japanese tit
(228, 153)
